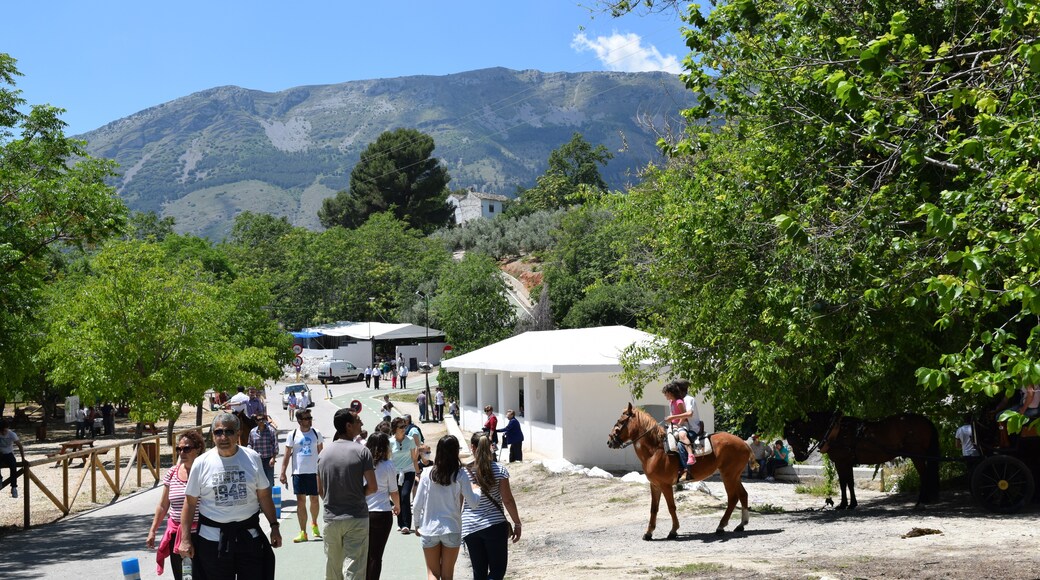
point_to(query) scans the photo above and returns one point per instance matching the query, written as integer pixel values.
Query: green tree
(156, 333)
(147, 225)
(858, 230)
(573, 174)
(470, 305)
(52, 196)
(396, 173)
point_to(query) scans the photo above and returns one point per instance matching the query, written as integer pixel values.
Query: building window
(491, 208)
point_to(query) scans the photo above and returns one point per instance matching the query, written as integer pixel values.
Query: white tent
(567, 384)
(376, 330)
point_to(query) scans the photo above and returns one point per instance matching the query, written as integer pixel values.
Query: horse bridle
(633, 440)
(835, 417)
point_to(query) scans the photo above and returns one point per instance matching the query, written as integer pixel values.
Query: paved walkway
(93, 544)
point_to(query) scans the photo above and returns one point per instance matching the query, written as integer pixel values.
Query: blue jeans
(404, 518)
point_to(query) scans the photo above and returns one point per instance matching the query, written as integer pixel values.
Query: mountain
(206, 157)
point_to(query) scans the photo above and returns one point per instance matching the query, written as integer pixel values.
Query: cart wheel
(1002, 484)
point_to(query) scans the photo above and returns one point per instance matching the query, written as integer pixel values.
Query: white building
(474, 205)
(567, 383)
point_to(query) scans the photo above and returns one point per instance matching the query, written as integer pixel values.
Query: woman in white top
(438, 509)
(381, 511)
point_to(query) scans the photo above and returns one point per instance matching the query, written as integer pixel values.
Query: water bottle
(186, 569)
(131, 569)
(276, 495)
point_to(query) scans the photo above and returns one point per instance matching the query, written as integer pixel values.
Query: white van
(336, 371)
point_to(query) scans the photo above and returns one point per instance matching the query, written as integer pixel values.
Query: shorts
(453, 540)
(305, 484)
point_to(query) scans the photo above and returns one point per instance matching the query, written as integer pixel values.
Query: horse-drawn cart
(1004, 480)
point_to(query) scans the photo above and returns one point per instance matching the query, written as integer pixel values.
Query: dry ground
(579, 527)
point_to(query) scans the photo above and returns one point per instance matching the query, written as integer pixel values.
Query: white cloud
(626, 53)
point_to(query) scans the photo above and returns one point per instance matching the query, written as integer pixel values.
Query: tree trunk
(198, 415)
(169, 431)
(139, 430)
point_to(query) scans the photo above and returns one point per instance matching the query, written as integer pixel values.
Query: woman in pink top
(189, 446)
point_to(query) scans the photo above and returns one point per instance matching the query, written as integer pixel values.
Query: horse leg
(733, 489)
(848, 481)
(669, 499)
(655, 503)
(926, 493)
(745, 514)
(843, 483)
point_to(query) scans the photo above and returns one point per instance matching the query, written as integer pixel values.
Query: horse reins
(632, 441)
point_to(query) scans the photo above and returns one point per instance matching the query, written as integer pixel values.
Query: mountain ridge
(207, 156)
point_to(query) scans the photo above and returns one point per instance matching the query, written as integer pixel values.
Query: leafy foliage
(471, 306)
(857, 233)
(52, 196)
(396, 173)
(504, 236)
(573, 173)
(157, 332)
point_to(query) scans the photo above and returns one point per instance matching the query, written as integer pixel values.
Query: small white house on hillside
(475, 205)
(567, 384)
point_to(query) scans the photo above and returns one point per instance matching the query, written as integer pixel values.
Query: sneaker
(300, 538)
(690, 460)
(770, 478)
(14, 492)
(314, 530)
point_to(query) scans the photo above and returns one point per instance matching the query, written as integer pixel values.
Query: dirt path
(580, 527)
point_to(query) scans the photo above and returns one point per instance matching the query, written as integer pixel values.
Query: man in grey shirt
(345, 476)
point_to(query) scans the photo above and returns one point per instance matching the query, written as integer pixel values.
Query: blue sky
(102, 61)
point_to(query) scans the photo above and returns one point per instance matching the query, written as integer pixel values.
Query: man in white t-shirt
(302, 446)
(8, 441)
(237, 403)
(305, 399)
(229, 487)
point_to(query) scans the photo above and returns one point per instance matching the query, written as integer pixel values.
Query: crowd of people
(213, 500)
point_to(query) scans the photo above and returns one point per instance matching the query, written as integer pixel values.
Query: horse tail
(752, 460)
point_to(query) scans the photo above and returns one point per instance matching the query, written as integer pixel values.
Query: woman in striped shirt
(189, 446)
(484, 528)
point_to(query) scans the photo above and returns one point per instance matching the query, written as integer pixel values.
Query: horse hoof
(672, 535)
(719, 531)
(841, 506)
(647, 537)
(739, 528)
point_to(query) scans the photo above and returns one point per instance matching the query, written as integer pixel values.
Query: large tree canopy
(155, 331)
(860, 229)
(52, 195)
(396, 173)
(573, 174)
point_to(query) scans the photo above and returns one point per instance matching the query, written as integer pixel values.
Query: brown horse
(729, 456)
(850, 441)
(245, 425)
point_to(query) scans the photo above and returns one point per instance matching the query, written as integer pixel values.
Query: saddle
(701, 445)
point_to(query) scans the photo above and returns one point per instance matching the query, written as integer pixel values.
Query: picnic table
(73, 446)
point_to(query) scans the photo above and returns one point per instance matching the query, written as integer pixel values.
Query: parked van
(336, 371)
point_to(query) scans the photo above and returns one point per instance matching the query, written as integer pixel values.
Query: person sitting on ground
(678, 419)
(781, 458)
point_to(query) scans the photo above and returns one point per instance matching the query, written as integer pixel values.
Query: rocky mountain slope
(205, 157)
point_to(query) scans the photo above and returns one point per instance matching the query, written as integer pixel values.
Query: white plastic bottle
(186, 569)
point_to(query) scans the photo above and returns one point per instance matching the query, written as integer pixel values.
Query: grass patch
(767, 508)
(620, 500)
(692, 569)
(822, 489)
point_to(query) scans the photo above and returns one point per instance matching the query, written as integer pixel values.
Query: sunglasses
(222, 432)
(183, 449)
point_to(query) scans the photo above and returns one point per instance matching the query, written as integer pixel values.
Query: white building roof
(375, 330)
(579, 350)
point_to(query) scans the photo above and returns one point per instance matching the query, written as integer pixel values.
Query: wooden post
(25, 494)
(117, 469)
(93, 479)
(65, 482)
(139, 451)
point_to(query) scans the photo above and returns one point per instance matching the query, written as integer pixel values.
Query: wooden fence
(144, 454)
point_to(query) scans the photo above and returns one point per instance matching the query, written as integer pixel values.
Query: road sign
(298, 362)
(297, 349)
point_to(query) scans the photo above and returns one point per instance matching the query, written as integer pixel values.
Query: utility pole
(426, 323)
